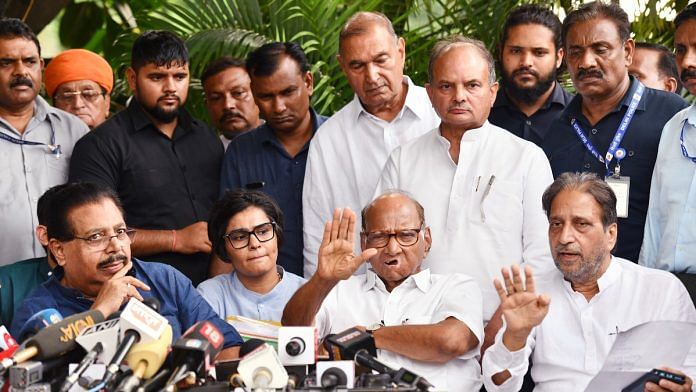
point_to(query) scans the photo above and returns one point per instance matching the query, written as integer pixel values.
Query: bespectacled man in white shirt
(480, 184)
(570, 328)
(427, 323)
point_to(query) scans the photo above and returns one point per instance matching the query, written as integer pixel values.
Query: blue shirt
(180, 303)
(670, 230)
(257, 160)
(566, 152)
(228, 296)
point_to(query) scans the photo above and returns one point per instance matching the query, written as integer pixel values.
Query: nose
(279, 105)
(393, 247)
(230, 103)
(169, 85)
(460, 94)
(689, 59)
(254, 242)
(526, 59)
(371, 74)
(587, 60)
(566, 234)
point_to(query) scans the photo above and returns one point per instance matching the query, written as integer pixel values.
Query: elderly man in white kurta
(480, 184)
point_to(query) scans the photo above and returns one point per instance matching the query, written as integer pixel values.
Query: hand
(117, 290)
(521, 307)
(336, 258)
(193, 239)
(666, 385)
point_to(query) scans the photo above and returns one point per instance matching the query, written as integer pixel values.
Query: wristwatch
(373, 327)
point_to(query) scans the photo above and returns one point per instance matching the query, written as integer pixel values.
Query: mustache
(458, 105)
(21, 81)
(230, 114)
(583, 73)
(169, 96)
(527, 70)
(111, 260)
(687, 73)
(567, 249)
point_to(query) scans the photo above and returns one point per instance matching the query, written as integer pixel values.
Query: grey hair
(389, 192)
(586, 182)
(446, 44)
(361, 22)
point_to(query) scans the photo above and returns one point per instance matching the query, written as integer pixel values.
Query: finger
(335, 224)
(673, 386)
(529, 279)
(652, 387)
(367, 254)
(351, 227)
(543, 300)
(517, 278)
(134, 282)
(343, 228)
(500, 289)
(327, 234)
(508, 281)
(133, 293)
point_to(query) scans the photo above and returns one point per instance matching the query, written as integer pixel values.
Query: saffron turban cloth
(78, 64)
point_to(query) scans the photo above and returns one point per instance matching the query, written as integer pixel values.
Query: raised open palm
(337, 260)
(522, 308)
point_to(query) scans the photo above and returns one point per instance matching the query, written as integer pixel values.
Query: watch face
(374, 326)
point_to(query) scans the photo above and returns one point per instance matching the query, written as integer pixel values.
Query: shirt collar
(242, 290)
(266, 134)
(471, 135)
(574, 108)
(141, 120)
(421, 280)
(691, 115)
(419, 107)
(608, 278)
(557, 97)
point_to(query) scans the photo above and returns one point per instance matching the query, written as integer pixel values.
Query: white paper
(643, 348)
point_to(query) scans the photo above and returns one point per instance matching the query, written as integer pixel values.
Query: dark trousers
(689, 281)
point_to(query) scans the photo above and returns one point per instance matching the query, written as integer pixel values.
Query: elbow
(457, 345)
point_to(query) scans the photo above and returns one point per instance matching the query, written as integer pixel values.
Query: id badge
(620, 185)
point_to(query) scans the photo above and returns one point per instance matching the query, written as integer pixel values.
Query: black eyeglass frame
(250, 233)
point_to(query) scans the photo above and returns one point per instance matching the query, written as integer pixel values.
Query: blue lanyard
(683, 147)
(614, 150)
(53, 147)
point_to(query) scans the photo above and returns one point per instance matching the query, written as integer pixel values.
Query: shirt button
(27, 169)
(631, 153)
(528, 122)
(297, 163)
(594, 131)
(587, 166)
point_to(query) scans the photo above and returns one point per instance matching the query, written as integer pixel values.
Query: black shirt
(566, 152)
(164, 184)
(508, 116)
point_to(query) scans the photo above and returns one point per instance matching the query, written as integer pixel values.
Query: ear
(430, 90)
(612, 231)
(341, 64)
(401, 48)
(131, 77)
(57, 248)
(428, 239)
(309, 82)
(42, 234)
(671, 84)
(629, 50)
(559, 57)
(494, 92)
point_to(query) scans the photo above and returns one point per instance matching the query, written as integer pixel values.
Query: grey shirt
(27, 171)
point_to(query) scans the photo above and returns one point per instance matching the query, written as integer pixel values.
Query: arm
(93, 160)
(336, 262)
(535, 241)
(651, 237)
(441, 342)
(191, 239)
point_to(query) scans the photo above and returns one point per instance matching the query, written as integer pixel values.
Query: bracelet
(173, 240)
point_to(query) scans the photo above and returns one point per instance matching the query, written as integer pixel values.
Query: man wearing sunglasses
(91, 244)
(79, 82)
(429, 324)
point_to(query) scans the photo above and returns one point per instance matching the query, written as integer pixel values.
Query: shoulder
(293, 280)
(336, 123)
(652, 276)
(162, 275)
(424, 141)
(215, 284)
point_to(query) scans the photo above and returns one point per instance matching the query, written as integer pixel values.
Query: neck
(18, 117)
(294, 140)
(590, 287)
(86, 292)
(529, 108)
(389, 110)
(454, 135)
(596, 107)
(261, 284)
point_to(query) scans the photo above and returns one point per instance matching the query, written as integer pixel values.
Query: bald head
(447, 44)
(389, 199)
(362, 23)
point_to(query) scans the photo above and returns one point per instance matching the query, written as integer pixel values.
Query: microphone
(53, 341)
(345, 344)
(146, 358)
(72, 378)
(262, 368)
(39, 321)
(139, 322)
(332, 374)
(7, 342)
(297, 345)
(401, 377)
(363, 358)
(195, 351)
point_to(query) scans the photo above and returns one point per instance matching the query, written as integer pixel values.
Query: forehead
(686, 33)
(460, 62)
(228, 78)
(646, 58)
(589, 32)
(530, 35)
(569, 204)
(287, 74)
(18, 47)
(171, 68)
(95, 216)
(392, 212)
(374, 40)
(78, 85)
(247, 218)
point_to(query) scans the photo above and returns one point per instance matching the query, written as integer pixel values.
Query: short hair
(389, 192)
(11, 28)
(159, 47)
(598, 10)
(688, 13)
(74, 195)
(231, 204)
(444, 45)
(44, 206)
(667, 63)
(586, 182)
(264, 61)
(221, 64)
(533, 14)
(360, 22)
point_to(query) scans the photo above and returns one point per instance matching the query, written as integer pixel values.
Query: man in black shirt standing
(530, 55)
(164, 164)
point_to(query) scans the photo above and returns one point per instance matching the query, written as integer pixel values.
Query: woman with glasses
(246, 230)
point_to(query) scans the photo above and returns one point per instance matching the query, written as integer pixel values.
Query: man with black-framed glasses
(79, 82)
(430, 324)
(90, 242)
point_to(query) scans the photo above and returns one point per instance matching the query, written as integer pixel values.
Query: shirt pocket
(499, 206)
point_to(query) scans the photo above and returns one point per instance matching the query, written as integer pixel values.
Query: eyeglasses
(379, 239)
(87, 95)
(101, 241)
(240, 238)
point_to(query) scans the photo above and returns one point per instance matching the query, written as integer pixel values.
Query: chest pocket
(499, 206)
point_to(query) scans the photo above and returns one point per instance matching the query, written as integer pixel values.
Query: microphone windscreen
(59, 338)
(153, 353)
(153, 303)
(39, 321)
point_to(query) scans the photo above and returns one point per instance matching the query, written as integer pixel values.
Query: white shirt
(27, 171)
(570, 345)
(477, 229)
(346, 157)
(423, 298)
(669, 242)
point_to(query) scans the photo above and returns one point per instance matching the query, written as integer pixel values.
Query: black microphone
(195, 351)
(363, 358)
(333, 377)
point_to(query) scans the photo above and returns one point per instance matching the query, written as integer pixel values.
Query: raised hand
(337, 260)
(522, 308)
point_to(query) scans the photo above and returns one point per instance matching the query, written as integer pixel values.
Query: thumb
(367, 254)
(543, 300)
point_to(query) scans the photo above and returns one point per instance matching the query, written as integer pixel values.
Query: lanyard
(53, 147)
(683, 147)
(614, 150)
